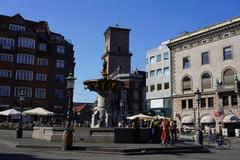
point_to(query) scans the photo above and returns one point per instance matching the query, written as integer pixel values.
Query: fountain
(103, 87)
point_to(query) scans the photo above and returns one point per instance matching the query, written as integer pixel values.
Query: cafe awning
(187, 119)
(231, 118)
(207, 119)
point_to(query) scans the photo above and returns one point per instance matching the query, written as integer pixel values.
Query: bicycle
(220, 141)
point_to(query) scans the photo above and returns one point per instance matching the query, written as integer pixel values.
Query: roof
(41, 28)
(116, 28)
(80, 107)
(206, 29)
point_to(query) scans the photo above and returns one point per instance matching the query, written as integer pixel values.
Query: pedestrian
(171, 130)
(136, 126)
(175, 130)
(164, 135)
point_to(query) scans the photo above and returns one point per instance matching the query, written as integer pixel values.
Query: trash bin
(237, 132)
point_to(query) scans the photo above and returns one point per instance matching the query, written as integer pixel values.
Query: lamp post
(67, 134)
(19, 130)
(198, 134)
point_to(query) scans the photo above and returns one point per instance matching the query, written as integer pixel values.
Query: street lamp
(19, 130)
(198, 134)
(67, 134)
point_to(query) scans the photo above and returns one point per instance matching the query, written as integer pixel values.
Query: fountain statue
(103, 87)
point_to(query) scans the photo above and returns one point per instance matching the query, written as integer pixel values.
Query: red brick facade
(40, 34)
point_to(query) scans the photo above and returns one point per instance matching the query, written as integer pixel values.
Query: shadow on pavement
(18, 157)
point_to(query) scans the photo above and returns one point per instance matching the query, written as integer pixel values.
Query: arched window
(206, 81)
(187, 86)
(228, 77)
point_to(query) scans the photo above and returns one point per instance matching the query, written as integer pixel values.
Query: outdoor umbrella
(10, 112)
(160, 117)
(39, 112)
(140, 116)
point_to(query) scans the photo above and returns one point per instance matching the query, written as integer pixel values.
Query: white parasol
(10, 112)
(140, 116)
(38, 111)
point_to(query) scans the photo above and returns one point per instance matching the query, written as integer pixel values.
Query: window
(166, 71)
(186, 62)
(5, 73)
(61, 49)
(159, 72)
(6, 57)
(146, 88)
(5, 90)
(205, 59)
(166, 85)
(25, 59)
(206, 81)
(187, 84)
(167, 102)
(123, 94)
(152, 88)
(42, 46)
(159, 58)
(184, 104)
(26, 91)
(227, 53)
(60, 78)
(228, 77)
(147, 60)
(26, 42)
(234, 100)
(40, 93)
(119, 49)
(152, 73)
(159, 86)
(59, 93)
(7, 43)
(135, 95)
(24, 75)
(14, 27)
(41, 77)
(152, 60)
(225, 100)
(190, 103)
(165, 56)
(42, 62)
(203, 102)
(210, 102)
(60, 63)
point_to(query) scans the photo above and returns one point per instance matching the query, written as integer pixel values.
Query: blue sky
(151, 21)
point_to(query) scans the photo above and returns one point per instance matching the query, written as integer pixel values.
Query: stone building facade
(35, 60)
(207, 59)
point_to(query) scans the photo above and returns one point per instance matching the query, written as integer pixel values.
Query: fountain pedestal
(101, 118)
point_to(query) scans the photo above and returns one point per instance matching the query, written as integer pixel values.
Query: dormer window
(14, 27)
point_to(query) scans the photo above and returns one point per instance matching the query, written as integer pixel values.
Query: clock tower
(116, 52)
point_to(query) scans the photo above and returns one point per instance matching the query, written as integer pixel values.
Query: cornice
(210, 36)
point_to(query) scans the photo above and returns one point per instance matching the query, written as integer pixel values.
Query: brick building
(131, 99)
(207, 59)
(34, 60)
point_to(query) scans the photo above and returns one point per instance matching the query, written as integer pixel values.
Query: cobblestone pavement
(9, 153)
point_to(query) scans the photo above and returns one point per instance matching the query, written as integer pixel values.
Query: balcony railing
(6, 46)
(228, 88)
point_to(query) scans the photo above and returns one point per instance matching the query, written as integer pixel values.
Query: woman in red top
(164, 135)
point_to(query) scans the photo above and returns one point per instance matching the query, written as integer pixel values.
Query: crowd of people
(162, 130)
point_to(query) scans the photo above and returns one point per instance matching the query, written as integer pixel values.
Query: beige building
(207, 59)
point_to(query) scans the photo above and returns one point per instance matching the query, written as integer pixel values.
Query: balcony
(2, 46)
(222, 88)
